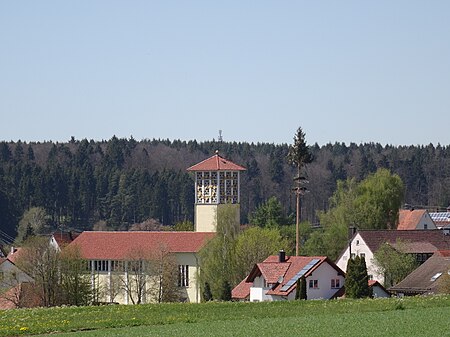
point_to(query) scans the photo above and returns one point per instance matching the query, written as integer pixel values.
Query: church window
(183, 275)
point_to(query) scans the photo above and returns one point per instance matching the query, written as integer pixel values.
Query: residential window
(335, 283)
(425, 226)
(314, 284)
(363, 255)
(370, 277)
(357, 242)
(353, 255)
(183, 275)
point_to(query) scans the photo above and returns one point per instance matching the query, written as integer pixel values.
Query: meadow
(419, 316)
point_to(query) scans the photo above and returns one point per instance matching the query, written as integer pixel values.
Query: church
(116, 261)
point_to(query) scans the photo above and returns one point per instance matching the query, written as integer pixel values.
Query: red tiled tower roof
(122, 245)
(216, 163)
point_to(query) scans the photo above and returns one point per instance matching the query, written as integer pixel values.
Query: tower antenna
(220, 139)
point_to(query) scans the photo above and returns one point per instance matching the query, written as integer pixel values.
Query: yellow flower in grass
(24, 328)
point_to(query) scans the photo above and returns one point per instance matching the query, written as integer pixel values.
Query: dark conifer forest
(123, 181)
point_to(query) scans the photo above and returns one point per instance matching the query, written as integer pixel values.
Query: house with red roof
(365, 243)
(275, 279)
(122, 256)
(60, 239)
(411, 219)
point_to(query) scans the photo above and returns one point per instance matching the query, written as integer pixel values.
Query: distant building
(113, 255)
(411, 219)
(365, 243)
(275, 279)
(426, 278)
(15, 287)
(217, 182)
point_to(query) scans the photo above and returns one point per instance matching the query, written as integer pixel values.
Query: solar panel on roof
(302, 272)
(440, 216)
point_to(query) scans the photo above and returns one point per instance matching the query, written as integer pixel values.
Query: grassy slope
(421, 316)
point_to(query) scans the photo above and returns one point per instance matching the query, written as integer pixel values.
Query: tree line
(123, 181)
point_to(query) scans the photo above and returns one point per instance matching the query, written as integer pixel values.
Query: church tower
(217, 182)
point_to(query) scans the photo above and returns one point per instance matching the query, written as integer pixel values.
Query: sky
(344, 71)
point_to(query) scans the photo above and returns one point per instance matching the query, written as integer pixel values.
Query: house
(60, 239)
(410, 219)
(378, 290)
(121, 256)
(11, 275)
(275, 279)
(422, 243)
(11, 280)
(23, 295)
(426, 278)
(14, 254)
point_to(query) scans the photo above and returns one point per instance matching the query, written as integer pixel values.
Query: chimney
(351, 231)
(282, 256)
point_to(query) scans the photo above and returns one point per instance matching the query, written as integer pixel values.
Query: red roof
(64, 238)
(27, 294)
(216, 163)
(14, 256)
(409, 219)
(444, 253)
(242, 290)
(122, 245)
(373, 283)
(272, 271)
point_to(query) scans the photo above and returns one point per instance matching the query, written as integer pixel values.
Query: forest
(120, 182)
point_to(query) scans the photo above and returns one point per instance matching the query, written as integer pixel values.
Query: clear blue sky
(346, 71)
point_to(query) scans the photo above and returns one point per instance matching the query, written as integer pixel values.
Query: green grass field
(427, 316)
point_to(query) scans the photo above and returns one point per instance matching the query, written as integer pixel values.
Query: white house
(422, 243)
(275, 279)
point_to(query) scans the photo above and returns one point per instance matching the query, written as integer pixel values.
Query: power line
(6, 238)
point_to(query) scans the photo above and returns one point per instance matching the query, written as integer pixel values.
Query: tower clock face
(217, 187)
